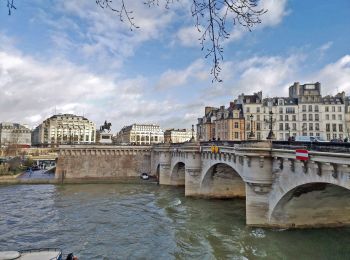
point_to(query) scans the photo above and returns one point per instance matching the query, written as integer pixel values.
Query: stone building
(310, 108)
(177, 135)
(222, 124)
(206, 124)
(304, 113)
(140, 134)
(64, 129)
(334, 117)
(14, 134)
(347, 117)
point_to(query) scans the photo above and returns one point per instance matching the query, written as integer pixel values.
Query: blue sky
(72, 57)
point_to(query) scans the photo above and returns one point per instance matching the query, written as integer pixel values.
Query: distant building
(177, 135)
(304, 113)
(64, 129)
(14, 134)
(222, 124)
(140, 134)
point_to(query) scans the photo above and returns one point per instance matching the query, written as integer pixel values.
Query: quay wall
(77, 164)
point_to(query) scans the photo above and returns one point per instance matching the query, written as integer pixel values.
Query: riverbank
(126, 180)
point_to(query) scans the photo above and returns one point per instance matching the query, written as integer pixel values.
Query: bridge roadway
(280, 191)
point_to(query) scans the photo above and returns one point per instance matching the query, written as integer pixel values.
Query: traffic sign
(302, 154)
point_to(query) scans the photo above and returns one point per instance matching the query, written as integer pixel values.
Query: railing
(313, 146)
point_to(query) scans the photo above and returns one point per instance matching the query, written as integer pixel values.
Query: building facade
(303, 113)
(222, 124)
(64, 129)
(177, 135)
(140, 134)
(14, 134)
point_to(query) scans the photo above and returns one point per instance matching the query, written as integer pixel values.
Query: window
(286, 118)
(311, 133)
(340, 128)
(258, 117)
(328, 137)
(281, 126)
(258, 126)
(327, 117)
(280, 102)
(294, 126)
(294, 118)
(281, 118)
(334, 127)
(339, 109)
(317, 117)
(340, 117)
(333, 108)
(333, 117)
(290, 110)
(317, 126)
(304, 117)
(304, 108)
(327, 109)
(248, 110)
(310, 108)
(236, 135)
(334, 136)
(328, 127)
(310, 117)
(236, 125)
(258, 109)
(258, 136)
(316, 108)
(281, 110)
(311, 126)
(317, 134)
(287, 126)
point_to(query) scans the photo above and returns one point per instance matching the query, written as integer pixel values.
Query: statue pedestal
(103, 137)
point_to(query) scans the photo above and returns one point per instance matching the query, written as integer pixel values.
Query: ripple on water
(146, 221)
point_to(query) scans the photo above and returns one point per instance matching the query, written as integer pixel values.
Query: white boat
(33, 254)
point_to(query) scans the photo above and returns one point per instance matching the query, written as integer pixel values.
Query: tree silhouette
(213, 19)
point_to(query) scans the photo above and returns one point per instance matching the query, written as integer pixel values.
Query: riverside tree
(214, 19)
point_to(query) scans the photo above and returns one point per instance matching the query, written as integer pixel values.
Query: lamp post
(251, 134)
(192, 130)
(271, 135)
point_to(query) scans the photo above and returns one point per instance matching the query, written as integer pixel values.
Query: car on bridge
(315, 139)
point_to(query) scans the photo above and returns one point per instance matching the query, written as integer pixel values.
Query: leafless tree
(213, 19)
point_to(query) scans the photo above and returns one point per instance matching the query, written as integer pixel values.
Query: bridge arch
(177, 175)
(311, 204)
(223, 181)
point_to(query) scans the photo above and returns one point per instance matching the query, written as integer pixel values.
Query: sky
(63, 56)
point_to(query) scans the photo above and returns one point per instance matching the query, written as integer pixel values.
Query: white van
(309, 139)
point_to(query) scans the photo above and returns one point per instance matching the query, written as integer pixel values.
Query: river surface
(126, 221)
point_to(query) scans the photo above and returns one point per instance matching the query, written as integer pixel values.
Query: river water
(129, 221)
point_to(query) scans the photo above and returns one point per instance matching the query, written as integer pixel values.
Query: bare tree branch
(211, 17)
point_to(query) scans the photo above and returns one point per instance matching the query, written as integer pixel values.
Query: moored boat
(36, 254)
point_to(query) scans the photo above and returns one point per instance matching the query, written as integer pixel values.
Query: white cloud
(189, 36)
(173, 78)
(276, 11)
(334, 77)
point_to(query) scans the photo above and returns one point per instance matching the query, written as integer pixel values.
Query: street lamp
(251, 134)
(271, 135)
(192, 138)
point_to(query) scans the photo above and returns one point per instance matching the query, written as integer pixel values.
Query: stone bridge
(280, 191)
